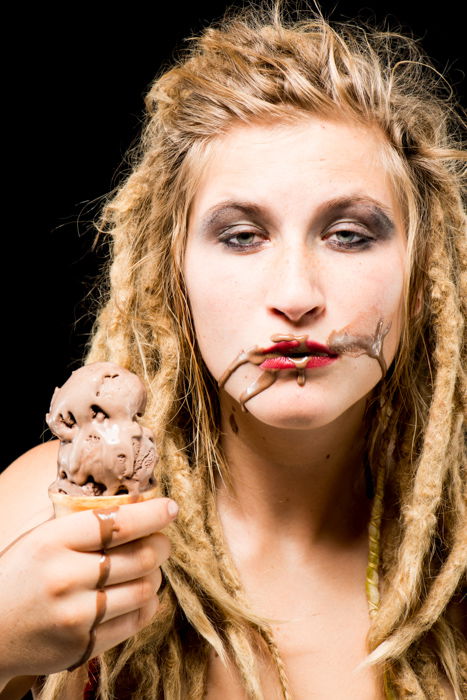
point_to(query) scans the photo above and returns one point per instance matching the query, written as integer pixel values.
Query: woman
(286, 277)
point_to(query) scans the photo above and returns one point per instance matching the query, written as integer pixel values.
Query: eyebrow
(380, 215)
(219, 211)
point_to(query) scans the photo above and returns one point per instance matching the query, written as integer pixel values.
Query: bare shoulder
(24, 501)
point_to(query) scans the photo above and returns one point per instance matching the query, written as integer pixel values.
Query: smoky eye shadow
(229, 213)
(379, 225)
(379, 222)
(362, 208)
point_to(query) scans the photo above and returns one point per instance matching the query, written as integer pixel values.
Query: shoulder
(24, 501)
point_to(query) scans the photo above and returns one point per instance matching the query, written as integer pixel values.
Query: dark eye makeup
(347, 223)
(241, 240)
(343, 238)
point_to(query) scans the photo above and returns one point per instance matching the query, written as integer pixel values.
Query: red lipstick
(297, 353)
(284, 362)
(300, 345)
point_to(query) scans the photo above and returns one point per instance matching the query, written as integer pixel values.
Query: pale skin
(296, 518)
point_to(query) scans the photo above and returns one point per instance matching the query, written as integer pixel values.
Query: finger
(82, 531)
(115, 631)
(139, 558)
(133, 595)
(125, 563)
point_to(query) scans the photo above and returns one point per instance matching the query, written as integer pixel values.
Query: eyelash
(364, 241)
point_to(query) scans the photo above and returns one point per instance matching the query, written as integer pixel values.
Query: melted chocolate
(339, 342)
(107, 528)
(256, 357)
(263, 382)
(346, 343)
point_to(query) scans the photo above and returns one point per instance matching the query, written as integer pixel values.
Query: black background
(74, 85)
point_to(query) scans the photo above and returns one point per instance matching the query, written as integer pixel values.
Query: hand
(48, 581)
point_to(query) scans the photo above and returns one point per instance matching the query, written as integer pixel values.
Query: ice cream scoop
(104, 451)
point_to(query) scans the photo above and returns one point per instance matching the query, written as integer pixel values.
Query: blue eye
(243, 240)
(348, 239)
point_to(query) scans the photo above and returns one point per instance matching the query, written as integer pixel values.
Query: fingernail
(172, 508)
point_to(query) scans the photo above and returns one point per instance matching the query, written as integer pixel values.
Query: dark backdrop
(75, 79)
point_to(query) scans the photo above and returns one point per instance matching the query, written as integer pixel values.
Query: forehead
(294, 164)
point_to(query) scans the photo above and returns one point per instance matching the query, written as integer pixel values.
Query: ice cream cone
(65, 505)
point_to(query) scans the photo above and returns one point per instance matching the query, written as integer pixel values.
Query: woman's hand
(48, 582)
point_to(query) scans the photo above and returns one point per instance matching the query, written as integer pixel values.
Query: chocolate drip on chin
(263, 382)
(107, 528)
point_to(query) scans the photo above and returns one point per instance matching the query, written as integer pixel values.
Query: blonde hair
(255, 64)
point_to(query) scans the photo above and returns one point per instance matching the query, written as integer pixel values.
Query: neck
(305, 485)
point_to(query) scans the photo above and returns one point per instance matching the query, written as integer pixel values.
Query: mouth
(299, 353)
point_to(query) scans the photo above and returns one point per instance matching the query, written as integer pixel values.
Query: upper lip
(290, 347)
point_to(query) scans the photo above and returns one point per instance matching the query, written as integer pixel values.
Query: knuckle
(136, 620)
(157, 580)
(147, 612)
(147, 558)
(146, 590)
(72, 618)
(164, 548)
(57, 584)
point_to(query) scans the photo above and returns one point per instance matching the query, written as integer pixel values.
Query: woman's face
(295, 230)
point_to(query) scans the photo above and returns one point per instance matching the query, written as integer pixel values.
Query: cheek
(213, 300)
(372, 293)
(377, 283)
(220, 304)
(217, 288)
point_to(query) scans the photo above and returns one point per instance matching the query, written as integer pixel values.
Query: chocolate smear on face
(256, 357)
(339, 343)
(107, 527)
(345, 343)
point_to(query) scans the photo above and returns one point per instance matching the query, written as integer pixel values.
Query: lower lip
(286, 363)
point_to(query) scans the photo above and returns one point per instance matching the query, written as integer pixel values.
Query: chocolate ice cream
(104, 451)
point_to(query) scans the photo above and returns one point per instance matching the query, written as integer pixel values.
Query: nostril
(297, 313)
(294, 297)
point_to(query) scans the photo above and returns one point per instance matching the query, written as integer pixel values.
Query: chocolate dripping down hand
(345, 343)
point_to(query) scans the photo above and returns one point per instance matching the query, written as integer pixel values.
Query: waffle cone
(65, 505)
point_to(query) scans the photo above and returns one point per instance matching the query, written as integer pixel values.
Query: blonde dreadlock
(257, 65)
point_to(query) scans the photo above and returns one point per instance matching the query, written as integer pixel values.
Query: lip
(281, 360)
(293, 344)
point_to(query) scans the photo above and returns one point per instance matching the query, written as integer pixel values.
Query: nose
(294, 289)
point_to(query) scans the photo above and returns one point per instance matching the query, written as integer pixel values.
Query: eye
(348, 238)
(241, 240)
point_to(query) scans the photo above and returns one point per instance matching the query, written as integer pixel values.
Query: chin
(302, 413)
